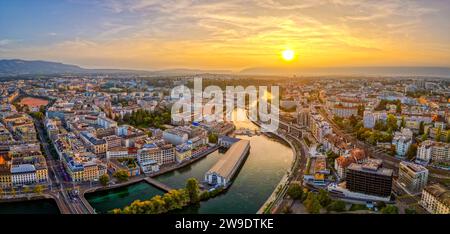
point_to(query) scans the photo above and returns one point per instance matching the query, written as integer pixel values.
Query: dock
(224, 170)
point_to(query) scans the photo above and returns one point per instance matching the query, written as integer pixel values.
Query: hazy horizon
(14, 67)
(106, 67)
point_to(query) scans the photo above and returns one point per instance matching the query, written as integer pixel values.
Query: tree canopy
(389, 209)
(312, 203)
(295, 191)
(213, 138)
(412, 151)
(337, 206)
(104, 179)
(38, 189)
(121, 175)
(324, 198)
(172, 200)
(192, 190)
(144, 118)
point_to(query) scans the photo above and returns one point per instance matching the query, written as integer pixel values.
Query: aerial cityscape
(103, 114)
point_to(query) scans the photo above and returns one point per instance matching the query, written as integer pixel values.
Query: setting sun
(288, 55)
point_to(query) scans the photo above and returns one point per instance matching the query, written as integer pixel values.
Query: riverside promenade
(281, 188)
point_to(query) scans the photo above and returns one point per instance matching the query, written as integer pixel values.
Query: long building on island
(223, 171)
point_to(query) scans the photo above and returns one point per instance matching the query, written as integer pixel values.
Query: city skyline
(232, 35)
(242, 109)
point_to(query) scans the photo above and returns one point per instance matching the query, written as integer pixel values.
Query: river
(45, 206)
(267, 162)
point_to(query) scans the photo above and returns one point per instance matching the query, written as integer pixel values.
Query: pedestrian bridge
(158, 184)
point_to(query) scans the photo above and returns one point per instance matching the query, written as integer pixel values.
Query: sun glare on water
(288, 55)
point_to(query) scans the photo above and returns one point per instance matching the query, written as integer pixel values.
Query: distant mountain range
(15, 67)
(190, 71)
(21, 67)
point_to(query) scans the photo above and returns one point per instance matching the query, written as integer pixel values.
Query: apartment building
(432, 151)
(82, 168)
(412, 177)
(402, 141)
(112, 142)
(319, 127)
(436, 199)
(369, 178)
(342, 162)
(29, 170)
(162, 153)
(344, 111)
(95, 145)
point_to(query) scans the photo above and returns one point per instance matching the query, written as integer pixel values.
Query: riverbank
(185, 163)
(284, 179)
(19, 198)
(274, 196)
(265, 165)
(106, 200)
(164, 170)
(262, 171)
(146, 178)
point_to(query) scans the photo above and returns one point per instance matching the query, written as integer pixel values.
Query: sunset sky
(158, 34)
